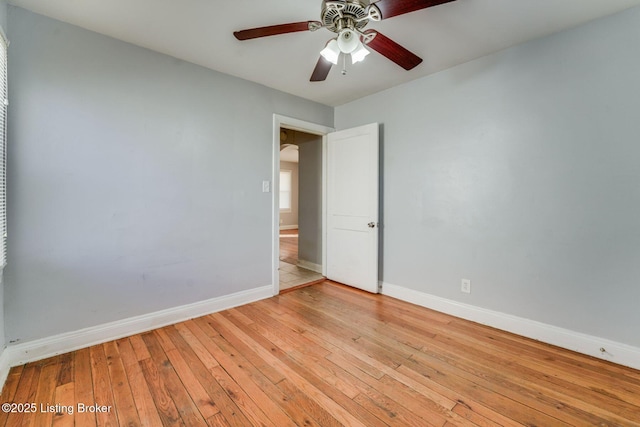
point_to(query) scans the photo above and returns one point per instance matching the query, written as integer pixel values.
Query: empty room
(320, 213)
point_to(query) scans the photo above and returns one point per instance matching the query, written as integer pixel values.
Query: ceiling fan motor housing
(337, 15)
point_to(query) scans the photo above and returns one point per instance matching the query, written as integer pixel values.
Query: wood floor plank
(493, 395)
(453, 349)
(300, 400)
(187, 409)
(326, 356)
(418, 403)
(300, 325)
(433, 390)
(205, 405)
(145, 405)
(218, 420)
(519, 372)
(347, 348)
(25, 393)
(582, 401)
(164, 404)
(306, 374)
(123, 397)
(390, 354)
(9, 391)
(302, 410)
(230, 411)
(455, 392)
(65, 374)
(474, 416)
(337, 375)
(261, 364)
(223, 373)
(545, 353)
(259, 345)
(64, 396)
(242, 375)
(389, 411)
(102, 388)
(305, 352)
(539, 357)
(374, 329)
(83, 386)
(207, 358)
(246, 360)
(434, 401)
(45, 393)
(139, 347)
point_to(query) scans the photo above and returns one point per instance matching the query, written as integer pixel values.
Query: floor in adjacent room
(291, 274)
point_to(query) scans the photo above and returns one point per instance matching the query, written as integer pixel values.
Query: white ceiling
(200, 31)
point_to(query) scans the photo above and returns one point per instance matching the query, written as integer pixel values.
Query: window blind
(285, 191)
(4, 103)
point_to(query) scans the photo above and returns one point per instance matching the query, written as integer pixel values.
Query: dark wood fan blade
(389, 8)
(392, 50)
(274, 30)
(321, 71)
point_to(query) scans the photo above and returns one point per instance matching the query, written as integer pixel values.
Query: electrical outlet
(466, 286)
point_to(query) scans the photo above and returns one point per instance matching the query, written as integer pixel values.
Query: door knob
(371, 224)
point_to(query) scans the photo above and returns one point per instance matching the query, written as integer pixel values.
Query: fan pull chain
(344, 64)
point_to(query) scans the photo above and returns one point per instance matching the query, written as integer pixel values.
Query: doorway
(350, 203)
(299, 202)
(300, 196)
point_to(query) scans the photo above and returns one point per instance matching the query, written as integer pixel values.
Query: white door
(352, 207)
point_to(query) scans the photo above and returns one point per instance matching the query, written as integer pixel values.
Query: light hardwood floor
(326, 355)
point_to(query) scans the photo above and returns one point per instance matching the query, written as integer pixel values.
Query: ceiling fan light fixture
(347, 21)
(348, 40)
(331, 52)
(359, 54)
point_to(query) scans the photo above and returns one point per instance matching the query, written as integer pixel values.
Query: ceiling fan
(348, 19)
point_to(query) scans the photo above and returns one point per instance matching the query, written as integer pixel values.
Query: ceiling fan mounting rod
(345, 22)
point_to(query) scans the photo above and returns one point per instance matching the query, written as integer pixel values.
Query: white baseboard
(288, 227)
(310, 266)
(31, 351)
(616, 352)
(5, 366)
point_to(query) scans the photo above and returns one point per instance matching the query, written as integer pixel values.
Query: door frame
(307, 127)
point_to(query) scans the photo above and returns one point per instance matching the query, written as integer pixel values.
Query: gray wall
(3, 15)
(520, 171)
(135, 179)
(3, 24)
(291, 218)
(310, 217)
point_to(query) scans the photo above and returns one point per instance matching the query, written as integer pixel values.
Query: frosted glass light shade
(331, 52)
(348, 41)
(359, 54)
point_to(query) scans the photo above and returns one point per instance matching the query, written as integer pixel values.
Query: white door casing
(280, 121)
(352, 207)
